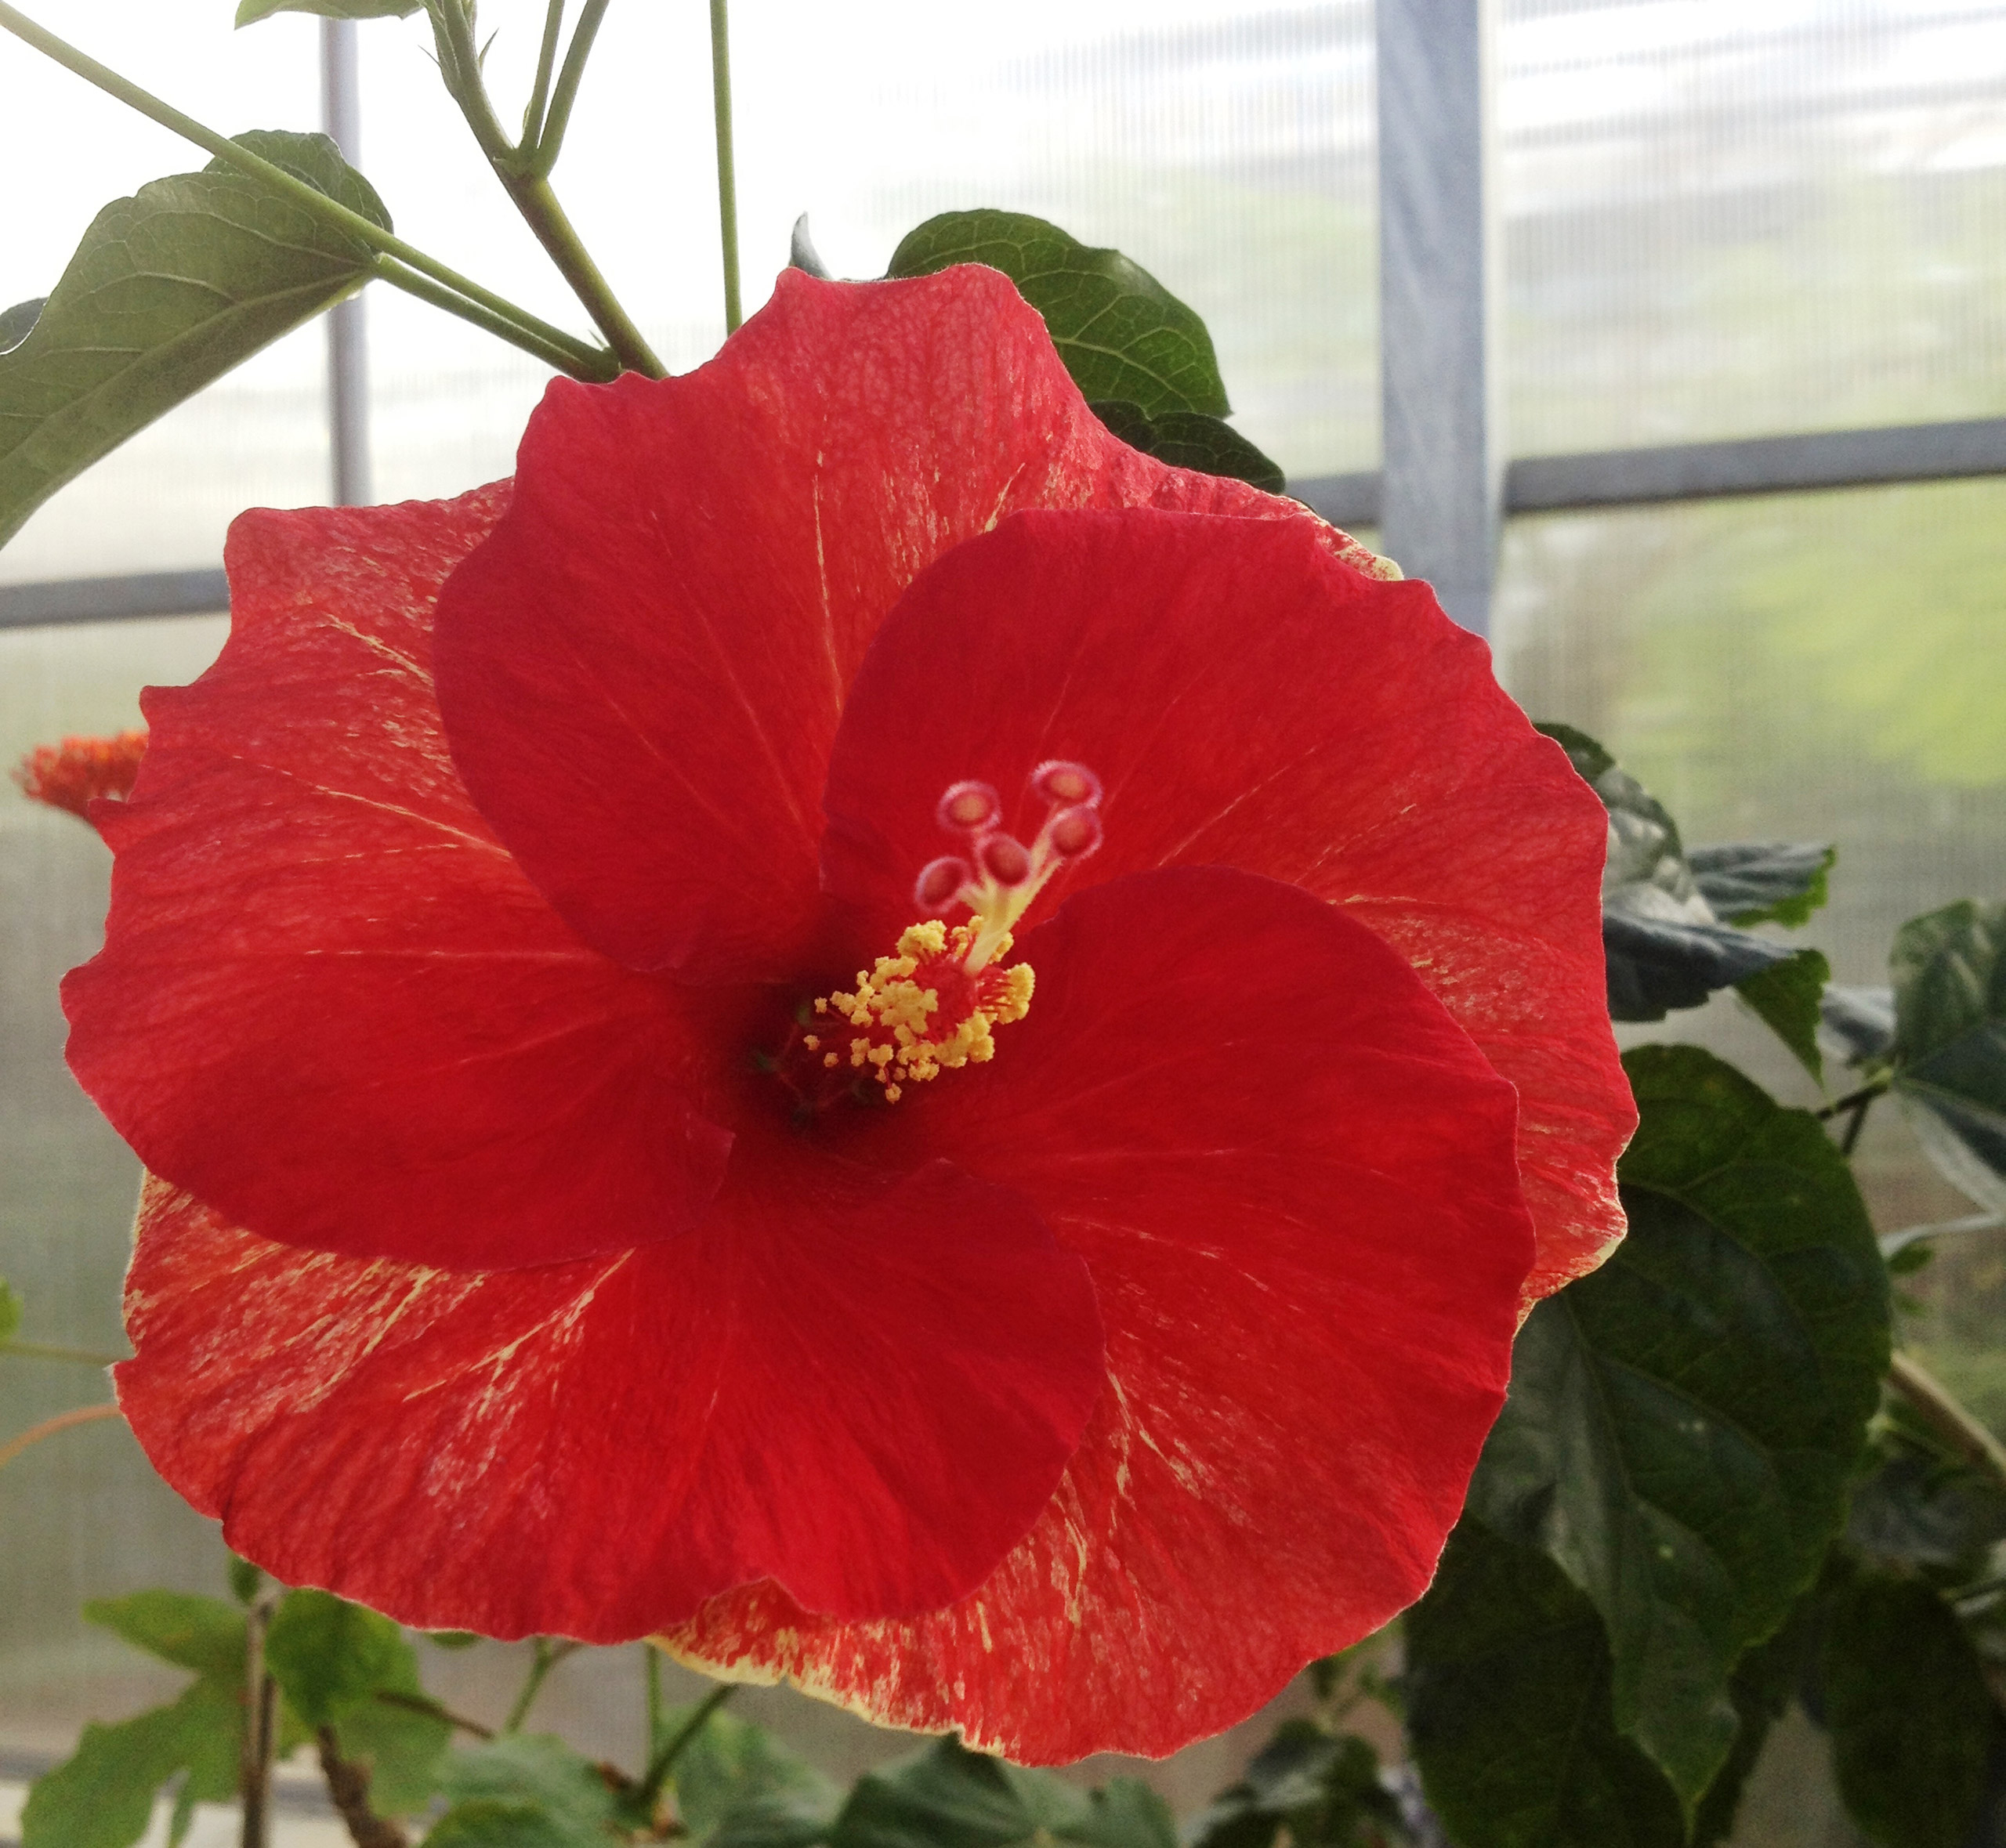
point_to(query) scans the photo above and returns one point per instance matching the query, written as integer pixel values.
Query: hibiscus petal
(643, 670)
(864, 1391)
(1249, 702)
(1291, 1177)
(329, 1002)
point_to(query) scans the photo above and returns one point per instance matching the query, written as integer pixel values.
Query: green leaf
(491, 1822)
(1948, 969)
(1764, 1681)
(734, 1782)
(245, 1579)
(250, 11)
(1322, 1788)
(1752, 882)
(329, 1655)
(102, 1796)
(1924, 1510)
(1786, 996)
(401, 1748)
(10, 1312)
(16, 322)
(1121, 333)
(1664, 946)
(949, 1797)
(1682, 1422)
(1508, 1682)
(169, 290)
(1191, 440)
(535, 1772)
(205, 1634)
(1912, 1723)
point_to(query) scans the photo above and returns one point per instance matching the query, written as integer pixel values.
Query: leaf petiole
(583, 359)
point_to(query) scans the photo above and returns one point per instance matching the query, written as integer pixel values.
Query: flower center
(933, 1004)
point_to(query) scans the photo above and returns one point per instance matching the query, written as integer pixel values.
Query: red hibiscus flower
(857, 1025)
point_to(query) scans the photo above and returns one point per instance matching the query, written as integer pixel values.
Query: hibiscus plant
(886, 1024)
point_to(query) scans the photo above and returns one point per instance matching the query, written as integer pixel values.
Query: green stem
(329, 210)
(648, 1792)
(734, 314)
(424, 1703)
(1855, 1124)
(46, 1350)
(1854, 1099)
(550, 139)
(548, 1655)
(546, 62)
(530, 188)
(651, 1668)
(605, 366)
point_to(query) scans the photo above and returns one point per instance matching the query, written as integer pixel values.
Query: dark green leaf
(245, 1579)
(102, 1795)
(1949, 977)
(1508, 1714)
(18, 322)
(169, 290)
(205, 1634)
(1911, 1721)
(1323, 1787)
(1764, 1681)
(453, 1639)
(1683, 1422)
(1786, 996)
(535, 1772)
(949, 1797)
(735, 1782)
(329, 1655)
(1752, 882)
(492, 1822)
(1120, 332)
(250, 11)
(1926, 1510)
(10, 1312)
(1190, 439)
(1665, 947)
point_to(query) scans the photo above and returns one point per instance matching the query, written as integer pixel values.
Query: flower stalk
(734, 314)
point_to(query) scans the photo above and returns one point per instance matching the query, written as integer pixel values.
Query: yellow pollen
(898, 1041)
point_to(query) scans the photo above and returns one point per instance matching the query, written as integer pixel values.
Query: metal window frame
(1439, 501)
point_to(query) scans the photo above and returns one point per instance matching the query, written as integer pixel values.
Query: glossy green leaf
(1665, 948)
(1786, 996)
(1122, 335)
(205, 1634)
(1682, 1422)
(1190, 439)
(102, 1796)
(329, 1655)
(735, 1783)
(536, 1774)
(1912, 1723)
(949, 1797)
(1323, 1789)
(169, 290)
(493, 1822)
(1950, 975)
(1507, 1684)
(250, 11)
(10, 1311)
(1752, 882)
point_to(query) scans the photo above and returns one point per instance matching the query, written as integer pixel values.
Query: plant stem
(550, 140)
(46, 1350)
(527, 185)
(548, 1655)
(329, 210)
(348, 1789)
(605, 365)
(648, 1793)
(1854, 1099)
(734, 315)
(63, 1421)
(1855, 1124)
(1935, 1405)
(651, 1667)
(424, 1703)
(546, 60)
(254, 1776)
